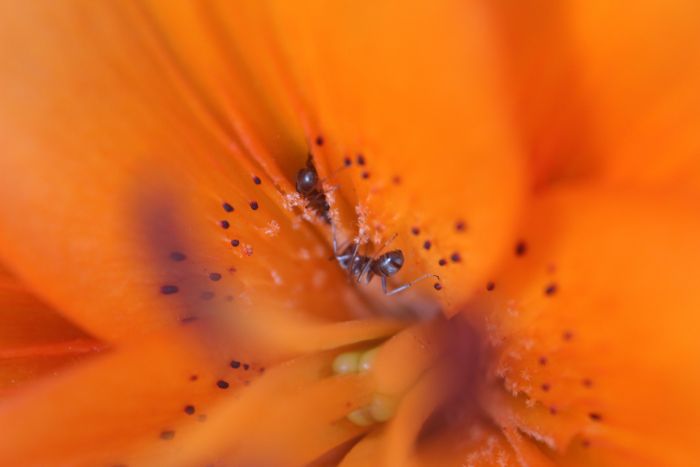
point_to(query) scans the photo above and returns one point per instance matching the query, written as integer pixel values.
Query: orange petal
(411, 87)
(640, 67)
(34, 340)
(100, 412)
(402, 360)
(477, 444)
(543, 77)
(291, 415)
(393, 444)
(115, 164)
(605, 90)
(227, 57)
(594, 327)
(287, 334)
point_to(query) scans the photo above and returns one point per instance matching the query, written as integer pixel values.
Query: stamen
(361, 417)
(345, 363)
(366, 361)
(382, 408)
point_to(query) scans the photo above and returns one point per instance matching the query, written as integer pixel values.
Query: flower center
(430, 369)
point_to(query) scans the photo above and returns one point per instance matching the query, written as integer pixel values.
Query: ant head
(390, 263)
(306, 180)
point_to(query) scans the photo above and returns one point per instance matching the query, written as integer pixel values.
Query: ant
(383, 266)
(309, 187)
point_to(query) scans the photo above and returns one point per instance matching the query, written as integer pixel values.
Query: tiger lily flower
(169, 300)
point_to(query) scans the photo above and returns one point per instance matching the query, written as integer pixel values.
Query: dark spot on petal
(347, 162)
(214, 276)
(553, 410)
(545, 387)
(189, 319)
(257, 180)
(206, 295)
(520, 248)
(254, 205)
(437, 286)
(224, 224)
(177, 256)
(396, 180)
(365, 175)
(442, 262)
(360, 159)
(551, 289)
(231, 269)
(542, 361)
(460, 226)
(189, 409)
(167, 435)
(222, 384)
(456, 257)
(235, 242)
(194, 378)
(427, 244)
(235, 364)
(490, 286)
(587, 382)
(169, 289)
(246, 367)
(595, 416)
(229, 298)
(319, 140)
(415, 230)
(567, 335)
(586, 443)
(227, 207)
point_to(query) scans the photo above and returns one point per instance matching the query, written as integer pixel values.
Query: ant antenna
(386, 244)
(403, 287)
(346, 165)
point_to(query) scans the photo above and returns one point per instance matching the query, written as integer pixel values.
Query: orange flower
(168, 300)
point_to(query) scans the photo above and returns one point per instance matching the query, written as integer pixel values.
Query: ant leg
(337, 249)
(335, 241)
(334, 173)
(355, 275)
(365, 270)
(354, 255)
(401, 288)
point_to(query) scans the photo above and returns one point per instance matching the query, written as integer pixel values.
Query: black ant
(383, 266)
(309, 187)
